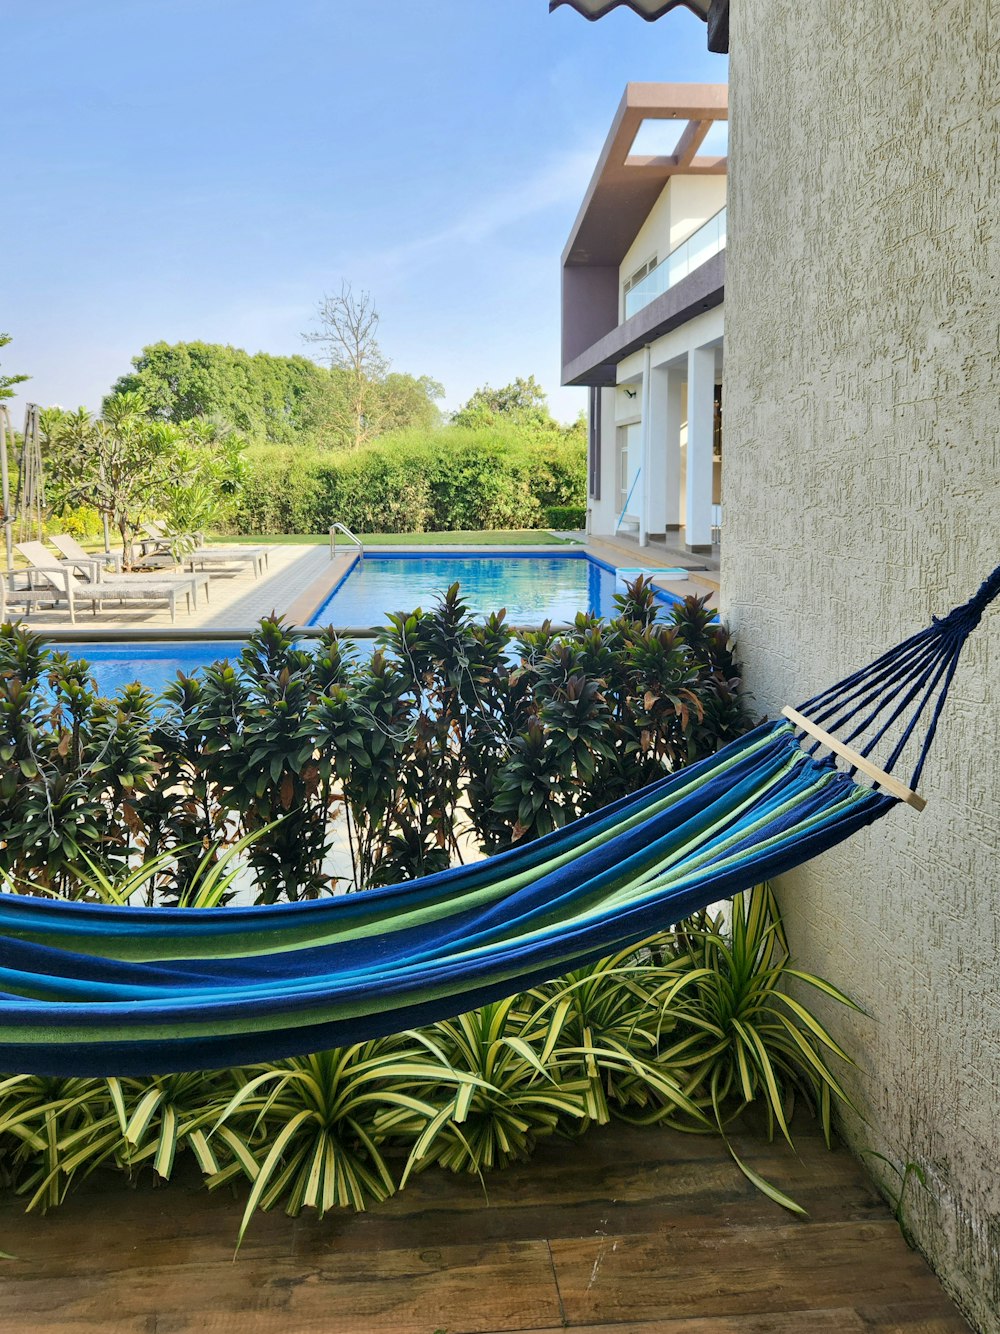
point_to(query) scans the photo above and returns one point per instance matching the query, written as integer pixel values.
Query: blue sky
(206, 169)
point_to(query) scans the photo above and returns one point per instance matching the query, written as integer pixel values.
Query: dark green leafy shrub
(566, 516)
(451, 736)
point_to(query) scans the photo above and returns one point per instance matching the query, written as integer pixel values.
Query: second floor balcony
(700, 246)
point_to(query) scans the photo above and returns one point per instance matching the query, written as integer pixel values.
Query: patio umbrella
(31, 480)
(7, 518)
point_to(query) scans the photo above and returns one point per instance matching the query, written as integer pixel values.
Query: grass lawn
(505, 537)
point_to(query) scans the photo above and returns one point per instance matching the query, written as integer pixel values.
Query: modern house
(862, 480)
(643, 276)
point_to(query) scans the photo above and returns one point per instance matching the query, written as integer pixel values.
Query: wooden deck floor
(626, 1230)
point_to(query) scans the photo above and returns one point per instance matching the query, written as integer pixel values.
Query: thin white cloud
(560, 182)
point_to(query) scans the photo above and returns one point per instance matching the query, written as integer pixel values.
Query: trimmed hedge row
(566, 516)
(450, 479)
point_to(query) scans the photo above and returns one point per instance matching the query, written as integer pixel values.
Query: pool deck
(299, 578)
(290, 584)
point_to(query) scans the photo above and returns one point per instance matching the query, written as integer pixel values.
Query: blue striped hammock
(89, 989)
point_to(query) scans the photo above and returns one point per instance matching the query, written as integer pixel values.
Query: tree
(348, 326)
(261, 396)
(7, 382)
(409, 402)
(522, 403)
(210, 456)
(129, 466)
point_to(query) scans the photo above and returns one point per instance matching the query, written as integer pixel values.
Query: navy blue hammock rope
(87, 989)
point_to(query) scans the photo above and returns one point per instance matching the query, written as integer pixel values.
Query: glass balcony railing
(707, 241)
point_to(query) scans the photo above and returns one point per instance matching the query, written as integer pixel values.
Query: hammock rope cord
(88, 989)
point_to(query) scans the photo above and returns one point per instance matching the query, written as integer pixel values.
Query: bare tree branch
(348, 326)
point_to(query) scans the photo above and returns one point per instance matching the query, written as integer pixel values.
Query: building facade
(642, 317)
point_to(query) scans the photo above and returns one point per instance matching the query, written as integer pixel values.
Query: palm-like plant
(508, 1095)
(38, 1114)
(602, 1023)
(737, 1036)
(306, 1127)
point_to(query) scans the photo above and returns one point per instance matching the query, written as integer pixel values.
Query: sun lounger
(16, 594)
(50, 582)
(91, 568)
(200, 554)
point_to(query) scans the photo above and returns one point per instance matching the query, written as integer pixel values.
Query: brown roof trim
(701, 290)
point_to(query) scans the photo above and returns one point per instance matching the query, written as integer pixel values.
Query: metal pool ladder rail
(336, 528)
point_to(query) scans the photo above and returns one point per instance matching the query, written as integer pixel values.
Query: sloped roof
(648, 9)
(624, 186)
(714, 12)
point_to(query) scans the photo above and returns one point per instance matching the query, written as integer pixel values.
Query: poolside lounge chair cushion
(61, 583)
(91, 570)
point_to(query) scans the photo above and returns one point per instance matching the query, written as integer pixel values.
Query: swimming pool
(532, 588)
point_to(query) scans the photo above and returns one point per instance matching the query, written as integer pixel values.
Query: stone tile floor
(237, 599)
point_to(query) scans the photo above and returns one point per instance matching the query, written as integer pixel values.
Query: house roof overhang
(624, 187)
(714, 12)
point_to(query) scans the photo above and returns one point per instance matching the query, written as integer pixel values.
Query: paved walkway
(701, 572)
(293, 582)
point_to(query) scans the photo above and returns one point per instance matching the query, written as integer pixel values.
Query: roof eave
(714, 12)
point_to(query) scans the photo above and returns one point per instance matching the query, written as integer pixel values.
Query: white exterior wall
(694, 199)
(862, 488)
(623, 407)
(684, 204)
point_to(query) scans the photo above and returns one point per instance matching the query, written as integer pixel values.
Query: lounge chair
(91, 568)
(16, 594)
(50, 582)
(158, 540)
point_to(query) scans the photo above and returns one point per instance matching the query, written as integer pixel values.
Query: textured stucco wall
(862, 495)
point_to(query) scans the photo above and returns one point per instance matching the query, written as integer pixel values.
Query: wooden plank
(913, 1318)
(739, 1272)
(499, 1288)
(843, 1320)
(892, 785)
(905, 1318)
(626, 1179)
(703, 1252)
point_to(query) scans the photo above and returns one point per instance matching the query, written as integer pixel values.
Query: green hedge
(413, 482)
(566, 516)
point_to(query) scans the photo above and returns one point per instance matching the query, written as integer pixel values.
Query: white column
(701, 415)
(659, 445)
(644, 480)
(674, 416)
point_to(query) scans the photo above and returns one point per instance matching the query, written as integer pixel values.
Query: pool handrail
(351, 537)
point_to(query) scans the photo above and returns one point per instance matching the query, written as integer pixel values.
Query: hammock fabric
(88, 989)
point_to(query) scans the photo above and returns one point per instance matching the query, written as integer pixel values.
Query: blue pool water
(155, 665)
(532, 588)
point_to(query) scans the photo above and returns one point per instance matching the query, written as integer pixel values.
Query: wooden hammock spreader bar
(892, 785)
